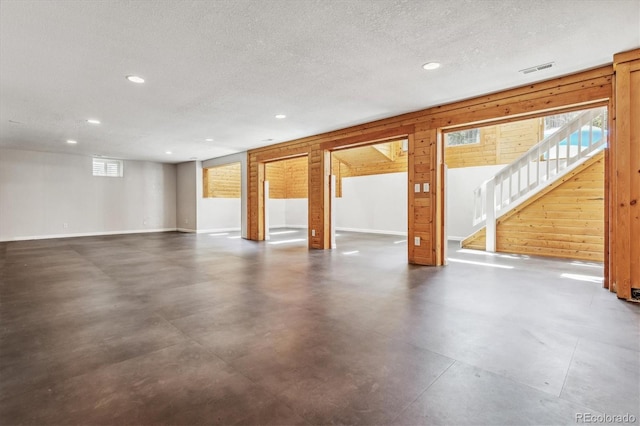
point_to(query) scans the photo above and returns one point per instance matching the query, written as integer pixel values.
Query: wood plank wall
(624, 180)
(499, 144)
(288, 178)
(222, 181)
(424, 132)
(565, 220)
(274, 173)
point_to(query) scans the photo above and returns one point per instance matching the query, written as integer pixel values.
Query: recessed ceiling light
(267, 140)
(209, 140)
(431, 66)
(281, 116)
(72, 142)
(135, 79)
(168, 152)
(93, 121)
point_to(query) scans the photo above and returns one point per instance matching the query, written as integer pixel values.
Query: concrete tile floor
(205, 329)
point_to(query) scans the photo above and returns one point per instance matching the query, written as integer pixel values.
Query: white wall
(221, 213)
(41, 192)
(187, 197)
(277, 213)
(375, 203)
(296, 212)
(461, 182)
(290, 212)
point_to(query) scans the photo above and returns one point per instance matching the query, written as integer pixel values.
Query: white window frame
(107, 167)
(475, 141)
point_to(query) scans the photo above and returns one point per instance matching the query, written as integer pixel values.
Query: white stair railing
(541, 165)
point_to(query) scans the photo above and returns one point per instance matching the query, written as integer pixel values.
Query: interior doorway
(286, 208)
(531, 187)
(369, 198)
(221, 199)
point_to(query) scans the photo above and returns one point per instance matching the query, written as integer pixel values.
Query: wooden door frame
(441, 161)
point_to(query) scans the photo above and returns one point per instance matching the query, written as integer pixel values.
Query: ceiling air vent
(537, 68)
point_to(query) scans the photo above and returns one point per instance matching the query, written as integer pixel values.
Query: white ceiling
(224, 69)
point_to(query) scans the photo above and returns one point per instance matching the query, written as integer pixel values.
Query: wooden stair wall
(565, 220)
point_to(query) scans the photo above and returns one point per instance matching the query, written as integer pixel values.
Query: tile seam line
(268, 391)
(393, 421)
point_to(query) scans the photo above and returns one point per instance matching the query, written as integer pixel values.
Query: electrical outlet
(425, 187)
(313, 232)
(65, 225)
(144, 222)
(416, 241)
(186, 221)
(416, 187)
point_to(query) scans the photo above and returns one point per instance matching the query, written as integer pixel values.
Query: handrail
(543, 163)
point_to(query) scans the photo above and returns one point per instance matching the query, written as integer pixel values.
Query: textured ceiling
(224, 69)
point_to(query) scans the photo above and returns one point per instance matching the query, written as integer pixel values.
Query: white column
(491, 216)
(333, 211)
(266, 211)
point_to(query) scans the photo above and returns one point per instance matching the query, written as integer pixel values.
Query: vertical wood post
(491, 215)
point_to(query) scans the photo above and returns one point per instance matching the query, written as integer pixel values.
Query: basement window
(462, 137)
(107, 167)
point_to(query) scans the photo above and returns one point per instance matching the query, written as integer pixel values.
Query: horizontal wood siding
(568, 221)
(499, 144)
(222, 181)
(288, 178)
(296, 177)
(565, 220)
(274, 173)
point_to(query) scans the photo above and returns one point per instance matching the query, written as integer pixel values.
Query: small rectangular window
(463, 137)
(107, 167)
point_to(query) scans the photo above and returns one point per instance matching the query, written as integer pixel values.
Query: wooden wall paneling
(482, 153)
(326, 192)
(565, 220)
(582, 95)
(296, 177)
(514, 139)
(206, 191)
(438, 198)
(337, 172)
(634, 203)
(261, 171)
(222, 181)
(622, 186)
(608, 199)
(568, 221)
(624, 219)
(275, 174)
(411, 199)
(319, 198)
(424, 171)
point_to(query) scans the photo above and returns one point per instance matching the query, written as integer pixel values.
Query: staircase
(561, 154)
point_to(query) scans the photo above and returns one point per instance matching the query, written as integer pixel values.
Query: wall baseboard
(208, 231)
(87, 234)
(186, 230)
(372, 231)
